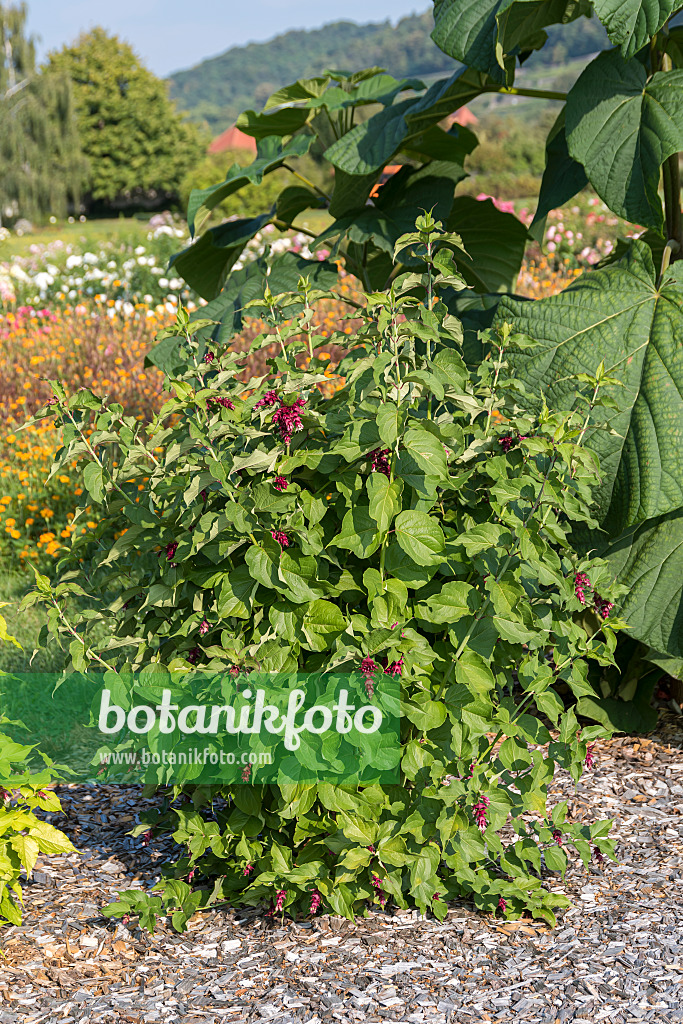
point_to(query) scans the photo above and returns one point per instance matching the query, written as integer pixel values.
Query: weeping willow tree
(41, 165)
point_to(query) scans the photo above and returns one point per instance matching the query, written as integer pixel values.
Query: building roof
(233, 138)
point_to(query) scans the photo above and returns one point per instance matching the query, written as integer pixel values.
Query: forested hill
(219, 88)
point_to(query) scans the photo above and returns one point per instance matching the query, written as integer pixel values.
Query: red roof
(463, 117)
(233, 138)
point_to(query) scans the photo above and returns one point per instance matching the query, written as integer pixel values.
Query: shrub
(415, 523)
(23, 836)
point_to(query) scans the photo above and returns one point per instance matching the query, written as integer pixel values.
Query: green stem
(307, 181)
(541, 94)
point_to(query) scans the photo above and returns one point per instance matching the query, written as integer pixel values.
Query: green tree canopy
(40, 160)
(135, 141)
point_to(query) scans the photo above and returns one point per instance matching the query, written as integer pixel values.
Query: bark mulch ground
(616, 956)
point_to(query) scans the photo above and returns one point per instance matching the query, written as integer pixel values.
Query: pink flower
(436, 896)
(479, 811)
(191, 874)
(171, 550)
(281, 538)
(203, 627)
(218, 400)
(379, 461)
(557, 836)
(395, 668)
(602, 606)
(316, 900)
(280, 484)
(590, 756)
(377, 882)
(280, 901)
(209, 357)
(506, 442)
(502, 905)
(598, 856)
(248, 870)
(288, 420)
(581, 581)
(270, 398)
(368, 667)
(246, 774)
(147, 837)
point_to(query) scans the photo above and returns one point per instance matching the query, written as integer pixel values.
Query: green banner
(161, 727)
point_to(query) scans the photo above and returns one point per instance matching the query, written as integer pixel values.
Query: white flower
(139, 250)
(175, 283)
(111, 265)
(18, 274)
(163, 282)
(73, 261)
(43, 281)
(90, 257)
(142, 260)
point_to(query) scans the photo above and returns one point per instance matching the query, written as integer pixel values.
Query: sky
(173, 34)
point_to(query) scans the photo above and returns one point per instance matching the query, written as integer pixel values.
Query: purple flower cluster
(509, 441)
(557, 836)
(209, 357)
(379, 462)
(171, 550)
(602, 606)
(316, 900)
(194, 655)
(203, 627)
(368, 667)
(502, 904)
(377, 882)
(270, 398)
(280, 537)
(288, 420)
(248, 870)
(581, 584)
(246, 774)
(280, 484)
(479, 811)
(280, 901)
(590, 756)
(395, 668)
(218, 401)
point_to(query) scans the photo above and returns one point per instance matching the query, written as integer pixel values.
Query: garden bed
(615, 956)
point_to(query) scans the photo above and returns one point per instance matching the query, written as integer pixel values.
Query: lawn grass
(90, 234)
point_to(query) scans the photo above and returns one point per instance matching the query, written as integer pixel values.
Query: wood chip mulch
(616, 956)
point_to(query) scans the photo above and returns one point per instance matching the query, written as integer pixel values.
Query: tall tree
(40, 160)
(136, 143)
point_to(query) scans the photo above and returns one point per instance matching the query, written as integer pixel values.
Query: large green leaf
(206, 264)
(494, 244)
(648, 559)
(631, 23)
(622, 128)
(562, 178)
(481, 33)
(286, 121)
(370, 146)
(617, 314)
(270, 155)
(420, 536)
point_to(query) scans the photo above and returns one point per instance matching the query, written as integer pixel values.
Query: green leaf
(92, 478)
(427, 451)
(632, 23)
(616, 314)
(206, 264)
(420, 536)
(370, 146)
(563, 177)
(383, 499)
(274, 125)
(648, 560)
(494, 244)
(481, 32)
(454, 601)
(359, 533)
(270, 155)
(294, 200)
(622, 128)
